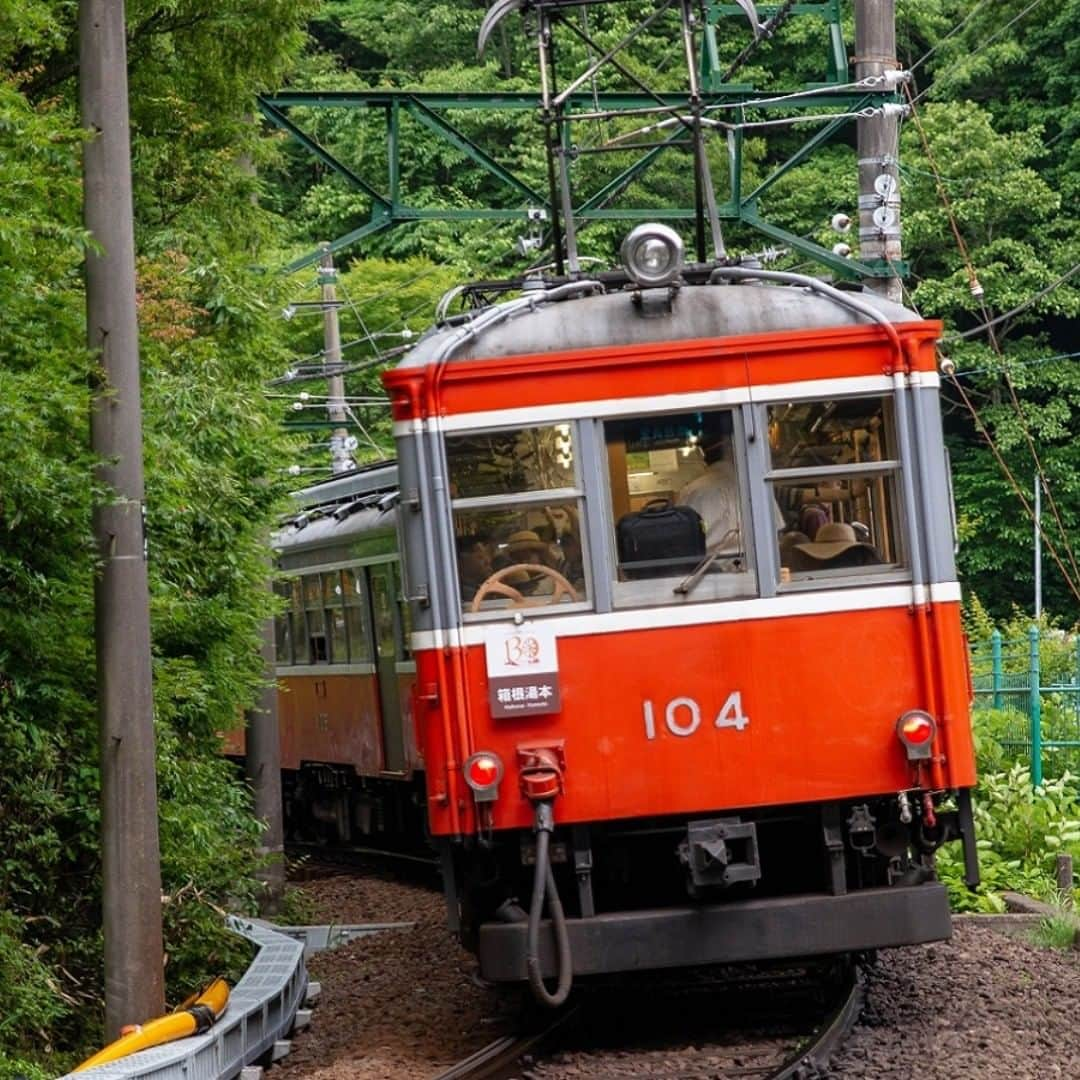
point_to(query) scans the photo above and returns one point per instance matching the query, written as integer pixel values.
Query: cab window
(518, 512)
(679, 519)
(835, 476)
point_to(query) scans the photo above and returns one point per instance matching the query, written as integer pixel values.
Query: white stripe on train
(758, 394)
(830, 602)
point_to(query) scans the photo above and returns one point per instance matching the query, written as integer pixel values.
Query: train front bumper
(775, 928)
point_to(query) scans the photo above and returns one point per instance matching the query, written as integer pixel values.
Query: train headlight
(916, 729)
(652, 255)
(483, 771)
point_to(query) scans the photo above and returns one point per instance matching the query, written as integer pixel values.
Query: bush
(31, 998)
(1020, 831)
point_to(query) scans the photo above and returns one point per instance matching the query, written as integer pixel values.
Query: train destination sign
(522, 670)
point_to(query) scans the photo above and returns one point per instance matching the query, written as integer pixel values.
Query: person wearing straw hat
(835, 547)
(525, 546)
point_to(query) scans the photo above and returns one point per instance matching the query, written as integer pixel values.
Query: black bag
(666, 539)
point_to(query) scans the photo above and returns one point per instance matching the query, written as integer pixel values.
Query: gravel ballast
(985, 1005)
(404, 1004)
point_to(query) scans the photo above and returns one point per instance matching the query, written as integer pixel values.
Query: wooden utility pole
(878, 146)
(262, 762)
(341, 459)
(131, 863)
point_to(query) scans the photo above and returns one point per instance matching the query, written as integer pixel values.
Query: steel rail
(810, 1061)
(501, 1058)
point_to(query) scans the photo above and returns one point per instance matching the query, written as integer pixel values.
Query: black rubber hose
(544, 882)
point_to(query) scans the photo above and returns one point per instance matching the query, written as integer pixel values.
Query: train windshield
(517, 506)
(679, 510)
(835, 475)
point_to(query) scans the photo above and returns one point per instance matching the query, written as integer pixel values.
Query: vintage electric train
(653, 626)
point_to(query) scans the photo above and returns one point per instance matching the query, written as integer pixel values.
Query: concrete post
(131, 862)
(262, 765)
(335, 384)
(878, 146)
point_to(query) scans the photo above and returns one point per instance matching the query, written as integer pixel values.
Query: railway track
(774, 1026)
(311, 861)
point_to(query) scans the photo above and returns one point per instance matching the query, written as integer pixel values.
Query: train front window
(518, 513)
(835, 477)
(511, 462)
(680, 520)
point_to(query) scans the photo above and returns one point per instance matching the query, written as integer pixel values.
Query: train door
(384, 620)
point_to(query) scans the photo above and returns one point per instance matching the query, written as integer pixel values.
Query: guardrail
(1035, 680)
(264, 1006)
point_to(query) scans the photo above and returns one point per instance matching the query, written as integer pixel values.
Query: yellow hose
(190, 1018)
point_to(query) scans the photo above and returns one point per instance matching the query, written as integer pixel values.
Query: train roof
(615, 318)
(341, 507)
(378, 477)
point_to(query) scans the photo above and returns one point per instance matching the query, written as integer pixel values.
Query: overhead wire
(1016, 310)
(978, 292)
(986, 41)
(941, 41)
(1017, 490)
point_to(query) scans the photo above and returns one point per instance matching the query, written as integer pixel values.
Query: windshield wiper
(690, 581)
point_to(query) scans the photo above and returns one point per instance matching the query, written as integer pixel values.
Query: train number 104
(682, 715)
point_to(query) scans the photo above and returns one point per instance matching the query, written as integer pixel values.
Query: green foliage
(1020, 830)
(1057, 931)
(214, 477)
(208, 861)
(31, 997)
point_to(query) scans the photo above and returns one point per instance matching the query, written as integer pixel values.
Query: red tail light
(483, 771)
(916, 730)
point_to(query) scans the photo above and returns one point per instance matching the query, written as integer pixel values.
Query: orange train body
(820, 695)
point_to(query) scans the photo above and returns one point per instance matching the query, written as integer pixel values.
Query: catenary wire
(977, 291)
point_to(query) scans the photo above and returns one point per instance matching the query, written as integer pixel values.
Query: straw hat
(833, 538)
(525, 540)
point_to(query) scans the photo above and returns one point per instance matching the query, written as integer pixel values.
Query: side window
(404, 614)
(679, 525)
(298, 622)
(835, 477)
(283, 625)
(355, 620)
(518, 509)
(317, 646)
(335, 617)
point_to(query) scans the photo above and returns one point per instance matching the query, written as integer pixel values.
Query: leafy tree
(214, 484)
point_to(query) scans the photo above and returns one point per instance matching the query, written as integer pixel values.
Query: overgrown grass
(1057, 931)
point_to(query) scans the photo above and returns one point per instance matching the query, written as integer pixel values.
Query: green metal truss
(428, 109)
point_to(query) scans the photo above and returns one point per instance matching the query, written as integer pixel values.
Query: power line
(982, 44)
(1016, 310)
(1019, 364)
(937, 45)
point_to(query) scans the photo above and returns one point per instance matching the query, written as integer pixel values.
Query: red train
(655, 623)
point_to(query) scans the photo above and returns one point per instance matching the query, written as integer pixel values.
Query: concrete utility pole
(335, 384)
(878, 146)
(131, 864)
(262, 763)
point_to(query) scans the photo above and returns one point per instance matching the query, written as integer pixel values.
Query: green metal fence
(1034, 684)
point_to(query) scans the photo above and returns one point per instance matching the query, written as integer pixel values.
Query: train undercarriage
(773, 882)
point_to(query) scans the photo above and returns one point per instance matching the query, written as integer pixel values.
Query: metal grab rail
(261, 1011)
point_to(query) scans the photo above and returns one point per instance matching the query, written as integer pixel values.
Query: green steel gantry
(389, 208)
